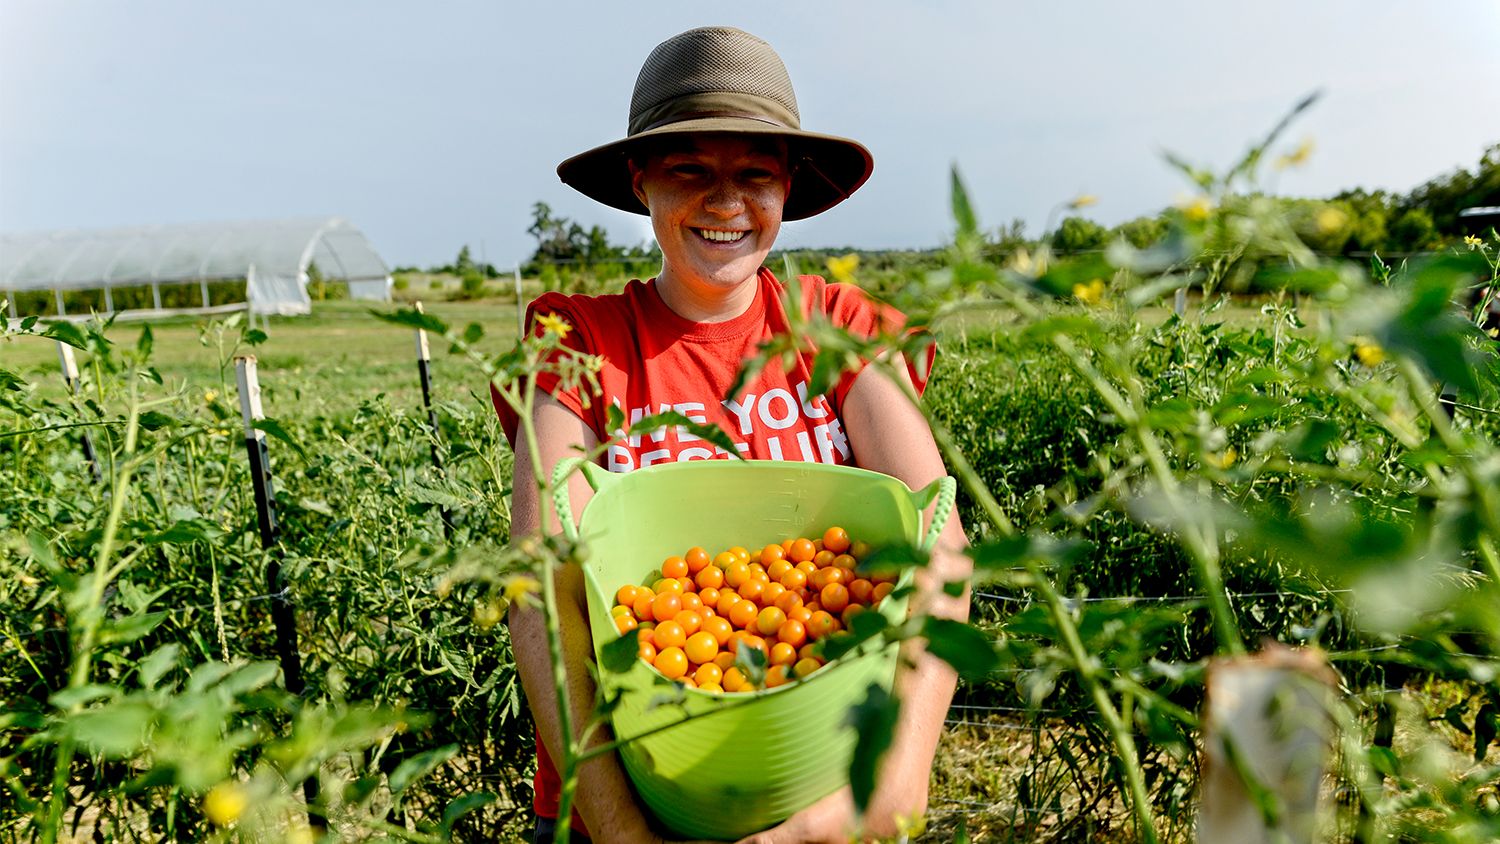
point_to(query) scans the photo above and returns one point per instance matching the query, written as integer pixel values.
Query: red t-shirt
(655, 360)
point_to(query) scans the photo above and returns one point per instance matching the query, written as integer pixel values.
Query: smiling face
(716, 203)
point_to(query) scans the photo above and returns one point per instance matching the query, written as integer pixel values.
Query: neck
(702, 302)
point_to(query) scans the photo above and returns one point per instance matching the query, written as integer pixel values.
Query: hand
(831, 820)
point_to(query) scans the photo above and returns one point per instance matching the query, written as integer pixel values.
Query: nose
(724, 198)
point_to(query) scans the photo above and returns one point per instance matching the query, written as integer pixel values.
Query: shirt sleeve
(849, 307)
(572, 398)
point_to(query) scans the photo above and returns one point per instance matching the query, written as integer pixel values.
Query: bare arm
(603, 797)
(889, 435)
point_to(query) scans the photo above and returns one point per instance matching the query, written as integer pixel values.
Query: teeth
(720, 236)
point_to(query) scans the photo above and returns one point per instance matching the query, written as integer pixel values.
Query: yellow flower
(1472, 242)
(1091, 293)
(1021, 262)
(1083, 200)
(1297, 157)
(225, 802)
(1330, 219)
(1494, 332)
(1369, 352)
(1197, 209)
(210, 396)
(487, 614)
(519, 586)
(1226, 459)
(842, 269)
(554, 324)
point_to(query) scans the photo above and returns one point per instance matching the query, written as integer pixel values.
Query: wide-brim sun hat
(721, 80)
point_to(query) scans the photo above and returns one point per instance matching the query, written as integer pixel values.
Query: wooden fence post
(424, 374)
(70, 375)
(262, 484)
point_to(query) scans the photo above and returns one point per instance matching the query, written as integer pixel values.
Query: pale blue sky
(432, 125)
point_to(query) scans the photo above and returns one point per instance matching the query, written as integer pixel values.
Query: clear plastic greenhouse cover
(272, 256)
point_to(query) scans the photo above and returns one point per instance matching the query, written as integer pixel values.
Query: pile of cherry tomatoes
(700, 610)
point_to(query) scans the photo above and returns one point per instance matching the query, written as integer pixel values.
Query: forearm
(603, 796)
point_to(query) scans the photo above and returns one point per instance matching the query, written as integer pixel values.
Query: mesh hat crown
(722, 80)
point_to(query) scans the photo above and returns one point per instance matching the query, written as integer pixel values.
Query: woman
(716, 156)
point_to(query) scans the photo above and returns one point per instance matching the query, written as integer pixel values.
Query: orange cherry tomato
(727, 599)
(736, 573)
(793, 633)
(860, 591)
(625, 623)
(709, 597)
(805, 667)
(821, 624)
(794, 580)
(701, 648)
(802, 614)
(690, 621)
(740, 553)
(734, 681)
(881, 590)
(708, 674)
(692, 601)
(743, 614)
(719, 628)
(725, 660)
(642, 608)
(725, 559)
(824, 558)
(808, 568)
(786, 545)
(783, 654)
(666, 606)
(769, 621)
(711, 577)
(647, 651)
(712, 688)
(669, 634)
(672, 663)
(674, 567)
(850, 612)
(627, 595)
(645, 635)
(859, 550)
(836, 539)
(771, 553)
(696, 558)
(788, 601)
(779, 567)
(668, 584)
(776, 675)
(845, 562)
(801, 551)
(769, 595)
(834, 597)
(752, 590)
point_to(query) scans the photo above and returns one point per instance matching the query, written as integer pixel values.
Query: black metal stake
(424, 374)
(262, 483)
(70, 375)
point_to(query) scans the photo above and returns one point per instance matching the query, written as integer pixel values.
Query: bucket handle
(945, 491)
(596, 475)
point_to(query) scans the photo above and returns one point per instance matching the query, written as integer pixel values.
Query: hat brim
(826, 168)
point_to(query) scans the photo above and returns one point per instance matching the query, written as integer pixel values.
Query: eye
(687, 171)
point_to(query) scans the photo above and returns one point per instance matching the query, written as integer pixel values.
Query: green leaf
(963, 211)
(68, 698)
(130, 628)
(184, 531)
(145, 342)
(970, 652)
(1486, 720)
(874, 722)
(68, 333)
(705, 431)
(752, 663)
(153, 420)
(116, 730)
(464, 805)
(10, 381)
(255, 337)
(1017, 550)
(272, 427)
(619, 656)
(412, 318)
(415, 767)
(473, 333)
(157, 664)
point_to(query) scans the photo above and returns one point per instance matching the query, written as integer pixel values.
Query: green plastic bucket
(738, 766)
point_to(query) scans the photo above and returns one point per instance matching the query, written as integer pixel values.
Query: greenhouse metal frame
(263, 266)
